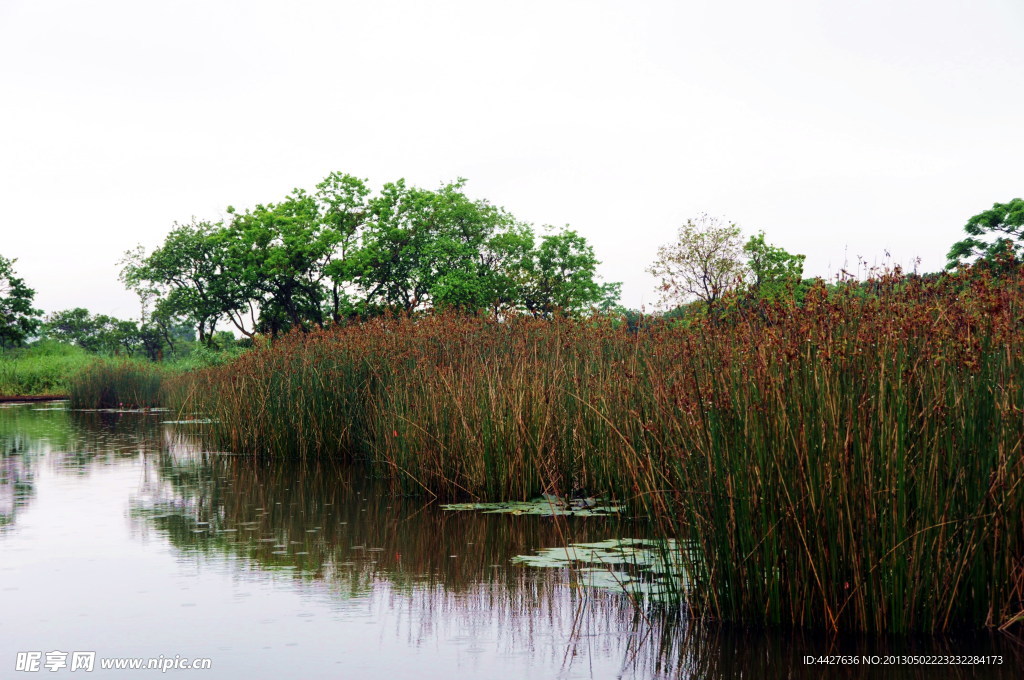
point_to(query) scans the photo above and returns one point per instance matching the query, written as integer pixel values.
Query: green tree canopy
(560, 276)
(991, 235)
(187, 277)
(312, 259)
(422, 248)
(19, 320)
(95, 333)
(773, 271)
(278, 254)
(74, 327)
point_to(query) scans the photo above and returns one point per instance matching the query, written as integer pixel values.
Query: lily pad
(121, 410)
(545, 507)
(640, 567)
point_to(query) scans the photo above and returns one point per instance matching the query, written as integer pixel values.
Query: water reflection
(16, 486)
(437, 571)
(283, 569)
(314, 518)
(71, 441)
(25, 435)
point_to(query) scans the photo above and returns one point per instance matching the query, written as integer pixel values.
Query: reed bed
(850, 464)
(117, 384)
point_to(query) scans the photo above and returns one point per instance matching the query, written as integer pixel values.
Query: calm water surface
(126, 536)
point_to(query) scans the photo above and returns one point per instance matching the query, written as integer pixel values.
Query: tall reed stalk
(854, 463)
(116, 384)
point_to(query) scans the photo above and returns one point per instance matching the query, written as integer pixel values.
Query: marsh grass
(43, 368)
(117, 384)
(853, 463)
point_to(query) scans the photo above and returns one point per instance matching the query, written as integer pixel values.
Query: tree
(773, 271)
(561, 276)
(423, 248)
(278, 252)
(313, 259)
(124, 336)
(265, 270)
(505, 263)
(704, 262)
(94, 333)
(343, 208)
(991, 235)
(188, 277)
(74, 327)
(19, 320)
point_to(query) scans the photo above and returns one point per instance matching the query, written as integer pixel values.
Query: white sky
(839, 128)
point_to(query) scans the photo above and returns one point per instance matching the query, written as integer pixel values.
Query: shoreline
(35, 397)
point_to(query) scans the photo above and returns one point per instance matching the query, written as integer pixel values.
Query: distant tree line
(102, 334)
(709, 268)
(341, 252)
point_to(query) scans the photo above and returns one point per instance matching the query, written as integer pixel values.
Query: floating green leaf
(543, 506)
(121, 410)
(640, 567)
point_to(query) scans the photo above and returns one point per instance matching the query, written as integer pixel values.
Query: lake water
(125, 536)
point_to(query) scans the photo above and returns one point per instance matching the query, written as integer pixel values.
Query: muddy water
(126, 536)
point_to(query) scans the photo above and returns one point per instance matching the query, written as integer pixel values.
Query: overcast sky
(841, 129)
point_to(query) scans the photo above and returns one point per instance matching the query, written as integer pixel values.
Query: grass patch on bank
(49, 367)
(853, 463)
(42, 368)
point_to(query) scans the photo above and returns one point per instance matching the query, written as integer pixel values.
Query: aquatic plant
(544, 507)
(116, 384)
(639, 567)
(853, 462)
